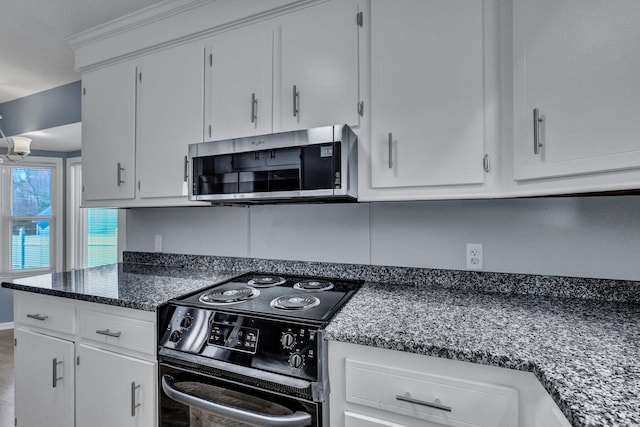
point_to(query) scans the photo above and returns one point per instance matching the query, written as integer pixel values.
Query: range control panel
(234, 337)
(268, 344)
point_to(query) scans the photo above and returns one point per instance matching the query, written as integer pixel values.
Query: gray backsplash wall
(573, 236)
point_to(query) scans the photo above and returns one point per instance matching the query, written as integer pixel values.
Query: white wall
(586, 237)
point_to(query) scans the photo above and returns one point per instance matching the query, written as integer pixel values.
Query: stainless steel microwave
(318, 164)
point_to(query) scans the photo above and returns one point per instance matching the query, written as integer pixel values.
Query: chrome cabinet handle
(297, 419)
(108, 333)
(254, 108)
(538, 121)
(390, 150)
(186, 168)
(37, 317)
(409, 399)
(296, 101)
(120, 170)
(134, 405)
(56, 378)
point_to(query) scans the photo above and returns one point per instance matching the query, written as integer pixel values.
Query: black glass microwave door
(214, 175)
(319, 167)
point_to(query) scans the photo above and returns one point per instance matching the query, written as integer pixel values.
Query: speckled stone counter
(142, 287)
(580, 337)
(585, 353)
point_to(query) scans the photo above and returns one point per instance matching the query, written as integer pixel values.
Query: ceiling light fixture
(18, 147)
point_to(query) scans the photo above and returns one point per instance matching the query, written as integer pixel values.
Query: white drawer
(117, 330)
(45, 312)
(471, 403)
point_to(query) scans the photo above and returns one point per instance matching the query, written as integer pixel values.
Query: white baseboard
(6, 325)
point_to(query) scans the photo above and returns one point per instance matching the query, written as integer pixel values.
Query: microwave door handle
(297, 419)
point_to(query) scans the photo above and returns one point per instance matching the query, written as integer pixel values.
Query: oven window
(178, 411)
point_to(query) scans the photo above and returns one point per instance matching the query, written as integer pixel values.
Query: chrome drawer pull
(37, 316)
(108, 333)
(390, 143)
(409, 399)
(134, 405)
(56, 378)
(119, 174)
(296, 101)
(538, 121)
(254, 108)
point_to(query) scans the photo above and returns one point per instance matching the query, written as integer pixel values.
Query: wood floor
(6, 378)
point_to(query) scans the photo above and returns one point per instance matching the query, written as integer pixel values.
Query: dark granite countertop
(585, 353)
(580, 337)
(138, 286)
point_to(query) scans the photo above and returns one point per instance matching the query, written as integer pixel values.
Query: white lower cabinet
(44, 387)
(83, 364)
(113, 389)
(378, 387)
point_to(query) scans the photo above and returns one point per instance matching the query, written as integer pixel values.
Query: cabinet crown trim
(132, 20)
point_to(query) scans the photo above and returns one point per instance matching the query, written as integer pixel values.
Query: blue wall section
(43, 110)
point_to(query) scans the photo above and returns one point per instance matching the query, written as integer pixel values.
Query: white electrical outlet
(157, 243)
(474, 256)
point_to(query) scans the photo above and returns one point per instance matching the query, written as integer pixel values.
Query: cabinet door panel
(427, 93)
(319, 55)
(239, 65)
(108, 133)
(104, 390)
(37, 401)
(352, 419)
(170, 115)
(578, 63)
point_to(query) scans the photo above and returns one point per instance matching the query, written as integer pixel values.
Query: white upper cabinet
(427, 94)
(316, 60)
(108, 133)
(169, 118)
(238, 83)
(577, 64)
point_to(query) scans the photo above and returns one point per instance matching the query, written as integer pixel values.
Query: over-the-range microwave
(318, 164)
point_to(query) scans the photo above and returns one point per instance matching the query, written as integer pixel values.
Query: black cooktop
(273, 295)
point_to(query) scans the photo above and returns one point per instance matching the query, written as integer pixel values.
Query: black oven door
(193, 399)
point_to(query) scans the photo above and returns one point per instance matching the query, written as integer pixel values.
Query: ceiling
(34, 55)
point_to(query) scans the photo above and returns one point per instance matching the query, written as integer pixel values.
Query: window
(29, 221)
(101, 235)
(30, 217)
(92, 233)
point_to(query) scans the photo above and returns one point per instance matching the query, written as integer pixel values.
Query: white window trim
(56, 237)
(75, 223)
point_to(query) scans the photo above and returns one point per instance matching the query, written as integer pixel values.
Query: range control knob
(287, 340)
(175, 336)
(186, 322)
(296, 360)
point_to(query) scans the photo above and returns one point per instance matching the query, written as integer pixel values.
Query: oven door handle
(297, 419)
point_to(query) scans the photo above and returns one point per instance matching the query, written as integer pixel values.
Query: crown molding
(142, 32)
(134, 20)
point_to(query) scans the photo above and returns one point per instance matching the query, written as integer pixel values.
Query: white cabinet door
(578, 63)
(114, 390)
(427, 96)
(108, 133)
(353, 419)
(318, 56)
(238, 83)
(169, 118)
(44, 394)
